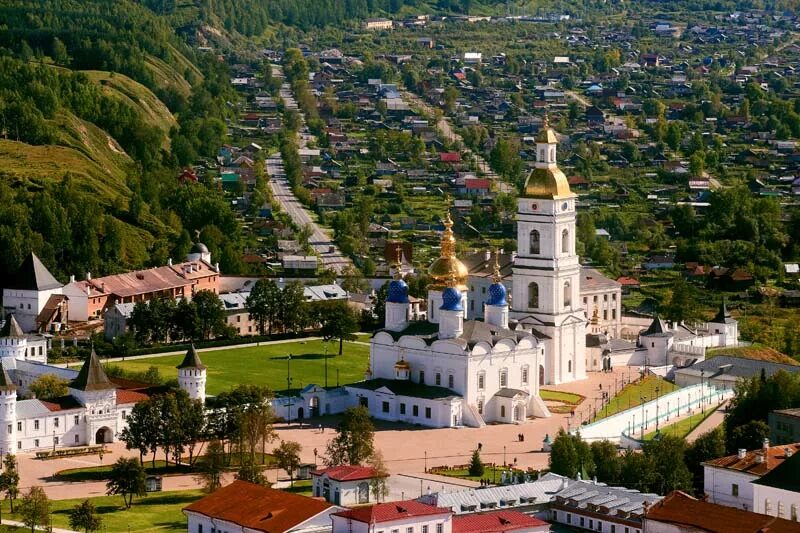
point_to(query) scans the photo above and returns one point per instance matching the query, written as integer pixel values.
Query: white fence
(640, 420)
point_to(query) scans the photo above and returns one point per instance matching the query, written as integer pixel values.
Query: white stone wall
(666, 408)
(719, 483)
(342, 525)
(776, 502)
(26, 305)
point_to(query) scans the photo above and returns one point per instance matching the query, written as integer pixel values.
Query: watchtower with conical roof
(98, 395)
(27, 291)
(192, 375)
(8, 412)
(725, 326)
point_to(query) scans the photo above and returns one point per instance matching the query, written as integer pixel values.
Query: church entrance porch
(104, 435)
(511, 406)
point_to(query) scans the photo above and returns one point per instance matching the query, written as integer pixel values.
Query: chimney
(72, 278)
(765, 443)
(103, 287)
(216, 267)
(789, 452)
(88, 276)
(513, 255)
(742, 453)
(487, 255)
(169, 261)
(759, 458)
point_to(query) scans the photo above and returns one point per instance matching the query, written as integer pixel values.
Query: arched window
(569, 366)
(535, 242)
(502, 411)
(533, 295)
(567, 294)
(794, 512)
(767, 506)
(552, 155)
(541, 155)
(565, 241)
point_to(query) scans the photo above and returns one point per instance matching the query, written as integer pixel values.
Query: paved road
(320, 240)
(714, 419)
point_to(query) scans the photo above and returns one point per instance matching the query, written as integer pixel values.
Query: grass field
(489, 473)
(156, 512)
(683, 427)
(267, 365)
(558, 396)
(630, 395)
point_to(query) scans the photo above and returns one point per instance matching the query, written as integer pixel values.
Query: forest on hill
(101, 103)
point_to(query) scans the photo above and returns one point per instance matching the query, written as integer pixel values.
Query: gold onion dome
(448, 270)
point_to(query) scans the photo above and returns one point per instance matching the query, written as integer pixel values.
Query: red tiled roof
(631, 282)
(259, 508)
(346, 472)
(750, 463)
(496, 522)
(388, 512)
(681, 509)
(130, 396)
(450, 157)
(477, 183)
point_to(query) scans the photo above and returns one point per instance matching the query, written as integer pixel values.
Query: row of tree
(164, 319)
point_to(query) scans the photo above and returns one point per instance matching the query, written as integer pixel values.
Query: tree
(84, 517)
(128, 479)
(339, 321)
(35, 508)
(287, 457)
(707, 446)
(353, 443)
(608, 465)
(9, 479)
(251, 471)
(475, 464)
(143, 430)
(59, 52)
(212, 466)
(379, 484)
(48, 386)
(570, 455)
(666, 457)
(682, 304)
(748, 436)
(210, 313)
(262, 304)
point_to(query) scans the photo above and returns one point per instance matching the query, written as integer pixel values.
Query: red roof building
(450, 157)
(343, 485)
(499, 522)
(406, 512)
(246, 506)
(680, 512)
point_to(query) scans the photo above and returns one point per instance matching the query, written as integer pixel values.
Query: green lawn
(630, 395)
(682, 428)
(159, 511)
(267, 365)
(489, 473)
(558, 396)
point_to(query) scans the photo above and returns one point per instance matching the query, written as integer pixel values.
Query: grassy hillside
(140, 97)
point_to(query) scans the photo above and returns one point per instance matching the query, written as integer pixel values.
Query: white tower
(451, 314)
(192, 375)
(397, 301)
(546, 269)
(496, 310)
(8, 413)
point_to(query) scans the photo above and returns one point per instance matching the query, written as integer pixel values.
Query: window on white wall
(525, 375)
(481, 381)
(451, 382)
(565, 242)
(504, 378)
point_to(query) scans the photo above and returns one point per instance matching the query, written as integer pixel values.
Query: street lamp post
(641, 399)
(504, 456)
(289, 387)
(702, 384)
(426, 461)
(657, 388)
(325, 343)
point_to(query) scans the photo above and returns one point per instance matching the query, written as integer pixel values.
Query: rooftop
(402, 387)
(753, 461)
(735, 367)
(346, 472)
(92, 376)
(258, 508)
(496, 522)
(786, 474)
(680, 509)
(388, 512)
(32, 275)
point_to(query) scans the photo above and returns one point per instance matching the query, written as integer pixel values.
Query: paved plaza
(408, 451)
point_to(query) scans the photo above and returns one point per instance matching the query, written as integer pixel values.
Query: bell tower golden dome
(546, 181)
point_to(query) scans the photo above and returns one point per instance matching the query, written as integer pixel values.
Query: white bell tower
(546, 292)
(192, 375)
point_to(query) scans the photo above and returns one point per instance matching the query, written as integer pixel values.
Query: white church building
(95, 409)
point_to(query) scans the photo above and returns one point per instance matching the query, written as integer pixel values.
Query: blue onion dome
(398, 292)
(497, 294)
(451, 300)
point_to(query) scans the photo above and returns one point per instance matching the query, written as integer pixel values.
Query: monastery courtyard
(430, 448)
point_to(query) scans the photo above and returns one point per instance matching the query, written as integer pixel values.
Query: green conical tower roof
(92, 377)
(5, 381)
(191, 360)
